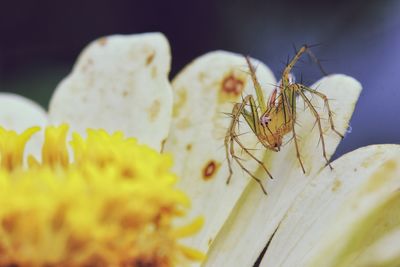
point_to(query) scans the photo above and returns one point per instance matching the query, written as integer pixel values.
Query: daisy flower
(347, 216)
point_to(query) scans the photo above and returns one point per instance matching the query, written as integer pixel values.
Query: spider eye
(265, 120)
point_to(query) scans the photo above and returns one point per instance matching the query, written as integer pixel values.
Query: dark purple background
(40, 40)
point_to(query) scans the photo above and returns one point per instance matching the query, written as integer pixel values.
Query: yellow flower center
(12, 146)
(112, 205)
(54, 150)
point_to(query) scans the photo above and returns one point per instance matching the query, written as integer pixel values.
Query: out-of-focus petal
(383, 253)
(203, 92)
(19, 113)
(119, 83)
(342, 212)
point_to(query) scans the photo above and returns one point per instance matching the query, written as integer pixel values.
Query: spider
(271, 121)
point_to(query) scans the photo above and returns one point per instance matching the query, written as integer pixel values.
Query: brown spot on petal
(336, 185)
(232, 85)
(210, 170)
(154, 110)
(102, 41)
(189, 147)
(150, 58)
(202, 77)
(183, 124)
(210, 241)
(180, 100)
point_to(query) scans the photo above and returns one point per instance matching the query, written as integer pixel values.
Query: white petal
(204, 91)
(341, 212)
(119, 83)
(19, 113)
(256, 216)
(383, 253)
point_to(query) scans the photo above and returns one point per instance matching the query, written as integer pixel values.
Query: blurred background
(40, 40)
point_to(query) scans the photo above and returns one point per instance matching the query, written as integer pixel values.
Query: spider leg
(326, 101)
(289, 67)
(246, 150)
(257, 86)
(228, 141)
(232, 137)
(298, 87)
(316, 61)
(292, 111)
(249, 173)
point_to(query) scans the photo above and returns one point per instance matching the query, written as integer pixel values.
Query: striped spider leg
(278, 117)
(258, 124)
(288, 90)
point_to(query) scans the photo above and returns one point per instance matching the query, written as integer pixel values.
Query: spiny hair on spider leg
(315, 45)
(288, 59)
(319, 59)
(239, 135)
(301, 61)
(290, 139)
(302, 80)
(243, 151)
(315, 124)
(234, 102)
(227, 114)
(311, 96)
(309, 45)
(298, 123)
(312, 56)
(221, 138)
(238, 158)
(273, 84)
(294, 48)
(221, 146)
(325, 119)
(331, 99)
(243, 68)
(319, 141)
(254, 63)
(254, 149)
(239, 122)
(333, 113)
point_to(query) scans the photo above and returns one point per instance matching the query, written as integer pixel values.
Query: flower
(317, 219)
(112, 206)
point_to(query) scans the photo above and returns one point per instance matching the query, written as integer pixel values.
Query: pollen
(111, 203)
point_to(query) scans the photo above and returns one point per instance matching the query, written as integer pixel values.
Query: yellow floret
(12, 146)
(54, 151)
(112, 206)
